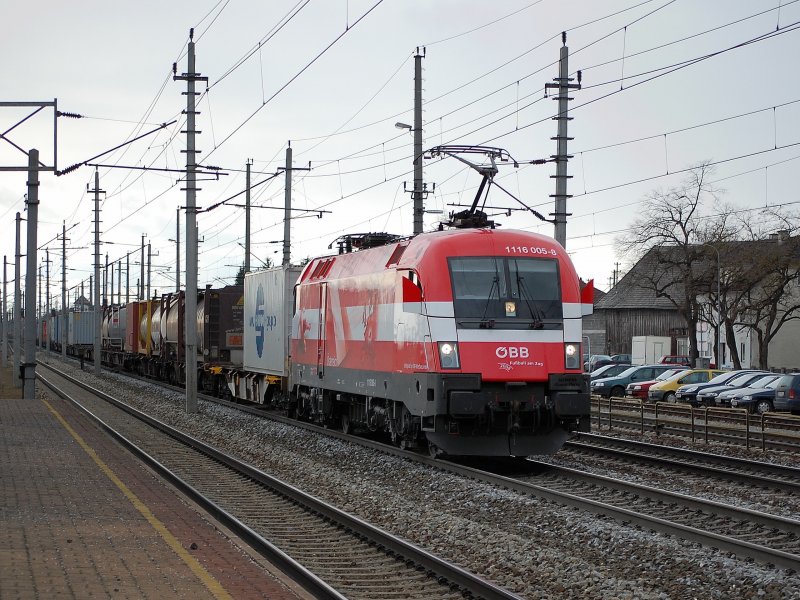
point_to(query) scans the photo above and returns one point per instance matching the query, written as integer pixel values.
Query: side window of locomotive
(535, 283)
(413, 277)
(412, 293)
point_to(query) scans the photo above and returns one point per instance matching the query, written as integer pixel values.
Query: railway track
(329, 552)
(748, 534)
(753, 473)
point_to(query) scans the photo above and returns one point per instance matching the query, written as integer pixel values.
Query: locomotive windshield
(506, 292)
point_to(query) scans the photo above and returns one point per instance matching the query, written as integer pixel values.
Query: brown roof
(635, 289)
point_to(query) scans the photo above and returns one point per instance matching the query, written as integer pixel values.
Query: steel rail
(739, 547)
(281, 560)
(455, 575)
(700, 462)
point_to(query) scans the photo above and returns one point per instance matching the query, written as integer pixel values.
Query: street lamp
(418, 193)
(177, 262)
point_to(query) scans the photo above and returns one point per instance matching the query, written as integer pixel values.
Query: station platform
(81, 518)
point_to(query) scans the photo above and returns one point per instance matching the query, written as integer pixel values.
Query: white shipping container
(81, 327)
(268, 308)
(648, 349)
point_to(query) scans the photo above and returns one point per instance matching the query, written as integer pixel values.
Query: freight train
(467, 341)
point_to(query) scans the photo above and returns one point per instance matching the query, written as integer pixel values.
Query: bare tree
(674, 238)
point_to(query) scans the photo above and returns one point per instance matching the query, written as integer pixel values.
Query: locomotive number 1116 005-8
(535, 250)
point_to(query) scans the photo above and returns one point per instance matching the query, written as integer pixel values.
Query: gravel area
(532, 547)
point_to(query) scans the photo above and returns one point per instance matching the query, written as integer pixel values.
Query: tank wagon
(147, 337)
(468, 340)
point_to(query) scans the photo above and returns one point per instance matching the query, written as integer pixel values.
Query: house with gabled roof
(629, 309)
(634, 308)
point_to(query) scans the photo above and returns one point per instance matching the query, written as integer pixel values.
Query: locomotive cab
(509, 382)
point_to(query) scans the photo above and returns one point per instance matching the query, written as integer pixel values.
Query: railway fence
(768, 431)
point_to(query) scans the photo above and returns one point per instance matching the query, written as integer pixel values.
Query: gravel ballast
(535, 548)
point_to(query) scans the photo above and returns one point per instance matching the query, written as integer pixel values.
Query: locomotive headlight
(572, 356)
(448, 355)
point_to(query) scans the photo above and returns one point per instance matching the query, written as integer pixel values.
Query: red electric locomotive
(468, 338)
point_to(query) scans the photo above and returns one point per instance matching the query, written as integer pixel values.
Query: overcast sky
(485, 68)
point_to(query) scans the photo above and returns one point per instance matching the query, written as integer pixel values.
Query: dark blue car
(688, 393)
(787, 393)
(708, 396)
(757, 401)
(725, 397)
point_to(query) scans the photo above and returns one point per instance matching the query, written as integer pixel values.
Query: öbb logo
(261, 322)
(511, 352)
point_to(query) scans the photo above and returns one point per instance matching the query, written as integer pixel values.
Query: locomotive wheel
(344, 424)
(434, 451)
(403, 437)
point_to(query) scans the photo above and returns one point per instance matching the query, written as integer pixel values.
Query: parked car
(615, 386)
(665, 391)
(638, 389)
(724, 398)
(675, 359)
(787, 393)
(608, 371)
(688, 393)
(758, 401)
(595, 361)
(708, 396)
(621, 358)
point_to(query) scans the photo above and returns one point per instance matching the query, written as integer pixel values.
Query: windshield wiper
(489, 323)
(536, 312)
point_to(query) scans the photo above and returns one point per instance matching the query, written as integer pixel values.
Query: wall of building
(623, 324)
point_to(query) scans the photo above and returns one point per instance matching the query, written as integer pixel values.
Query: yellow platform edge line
(212, 584)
